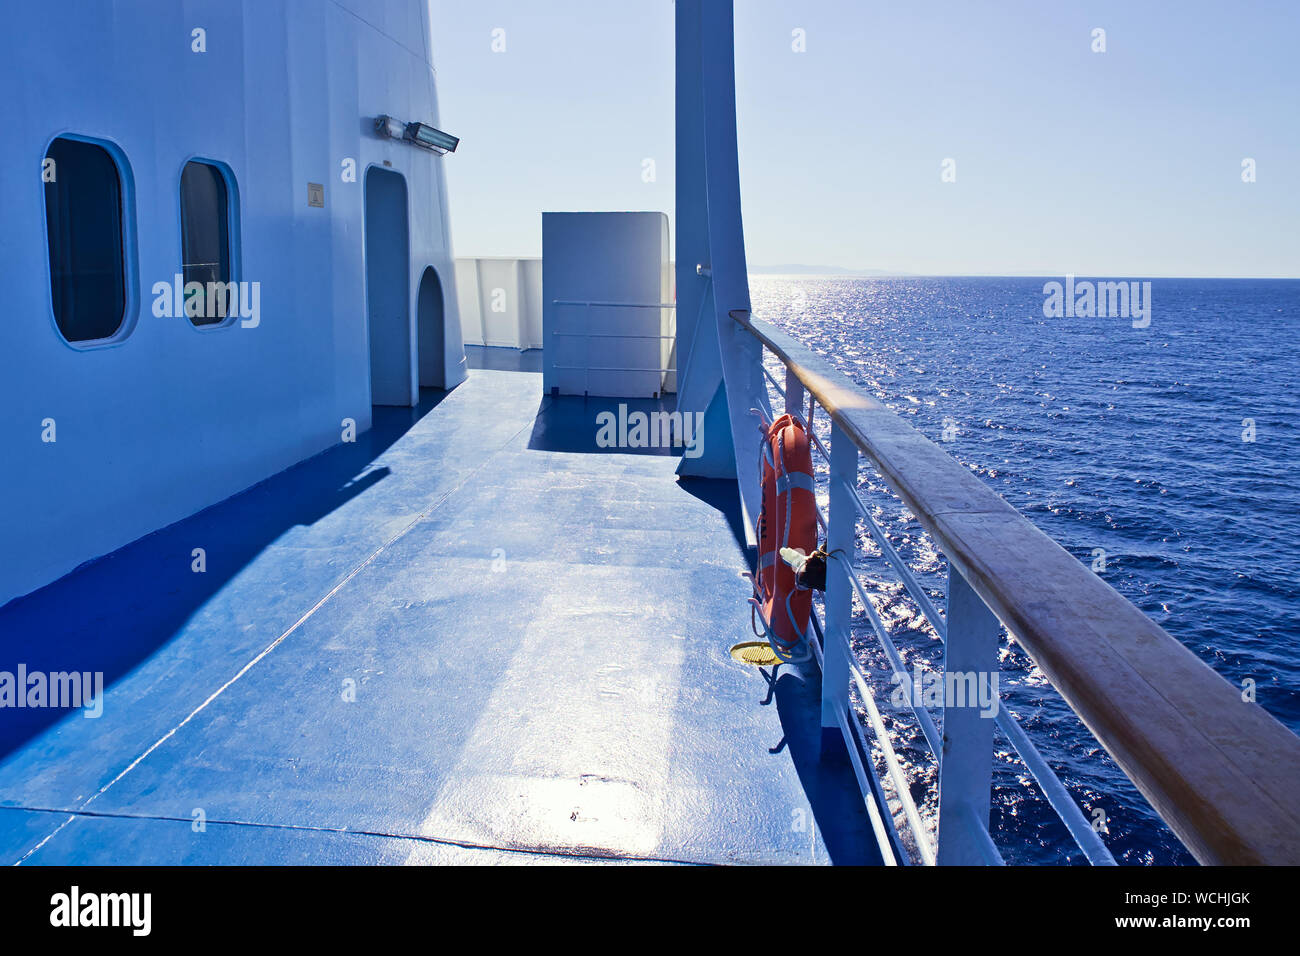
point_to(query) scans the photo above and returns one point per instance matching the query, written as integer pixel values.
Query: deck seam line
(279, 640)
(588, 853)
(48, 837)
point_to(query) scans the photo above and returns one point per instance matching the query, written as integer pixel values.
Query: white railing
(1086, 838)
(1221, 772)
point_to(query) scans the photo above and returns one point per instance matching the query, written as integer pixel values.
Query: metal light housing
(417, 134)
(429, 138)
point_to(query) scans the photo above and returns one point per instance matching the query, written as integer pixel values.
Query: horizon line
(880, 274)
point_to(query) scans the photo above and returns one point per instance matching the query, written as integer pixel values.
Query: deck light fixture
(417, 134)
(430, 138)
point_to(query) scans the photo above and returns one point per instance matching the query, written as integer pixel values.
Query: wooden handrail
(1221, 772)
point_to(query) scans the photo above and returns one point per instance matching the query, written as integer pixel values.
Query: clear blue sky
(1126, 162)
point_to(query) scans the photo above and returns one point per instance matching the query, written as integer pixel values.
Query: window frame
(232, 234)
(128, 237)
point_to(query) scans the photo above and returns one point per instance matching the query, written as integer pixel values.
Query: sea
(1163, 450)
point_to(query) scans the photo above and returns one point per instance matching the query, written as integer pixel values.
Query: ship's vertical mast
(720, 364)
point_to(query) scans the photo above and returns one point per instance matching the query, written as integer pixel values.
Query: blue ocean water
(1106, 436)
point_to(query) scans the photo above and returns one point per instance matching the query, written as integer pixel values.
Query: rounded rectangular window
(205, 244)
(83, 221)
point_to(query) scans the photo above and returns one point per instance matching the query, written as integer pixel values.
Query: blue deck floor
(537, 633)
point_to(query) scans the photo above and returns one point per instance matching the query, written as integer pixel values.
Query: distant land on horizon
(805, 270)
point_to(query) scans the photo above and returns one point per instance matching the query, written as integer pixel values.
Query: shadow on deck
(467, 637)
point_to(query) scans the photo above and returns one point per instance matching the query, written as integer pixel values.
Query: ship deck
(534, 633)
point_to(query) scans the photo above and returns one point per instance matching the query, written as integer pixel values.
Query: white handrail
(1058, 797)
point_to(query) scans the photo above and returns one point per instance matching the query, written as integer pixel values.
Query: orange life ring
(788, 519)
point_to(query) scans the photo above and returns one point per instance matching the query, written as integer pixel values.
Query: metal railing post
(793, 393)
(966, 766)
(841, 544)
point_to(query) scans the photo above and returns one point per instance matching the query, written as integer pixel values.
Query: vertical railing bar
(869, 791)
(793, 394)
(987, 850)
(966, 764)
(859, 737)
(900, 567)
(860, 740)
(891, 651)
(896, 774)
(882, 822)
(838, 601)
(821, 637)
